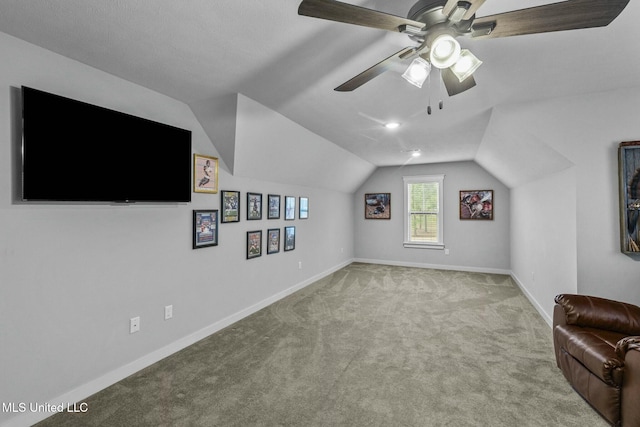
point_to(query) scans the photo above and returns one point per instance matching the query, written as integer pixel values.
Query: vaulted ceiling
(201, 50)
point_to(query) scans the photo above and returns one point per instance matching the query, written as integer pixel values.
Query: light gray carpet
(369, 345)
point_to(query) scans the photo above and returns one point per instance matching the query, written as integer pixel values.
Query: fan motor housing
(428, 11)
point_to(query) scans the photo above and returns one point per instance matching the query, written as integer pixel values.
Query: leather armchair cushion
(595, 349)
(600, 313)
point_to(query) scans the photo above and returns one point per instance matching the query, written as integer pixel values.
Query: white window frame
(408, 243)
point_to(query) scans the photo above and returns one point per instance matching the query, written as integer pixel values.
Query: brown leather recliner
(597, 346)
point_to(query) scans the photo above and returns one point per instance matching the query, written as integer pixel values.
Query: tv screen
(74, 151)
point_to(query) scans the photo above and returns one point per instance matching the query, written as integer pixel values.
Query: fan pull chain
(429, 89)
(440, 104)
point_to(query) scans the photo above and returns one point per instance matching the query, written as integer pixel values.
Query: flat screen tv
(78, 152)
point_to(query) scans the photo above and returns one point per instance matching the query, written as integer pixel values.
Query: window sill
(414, 245)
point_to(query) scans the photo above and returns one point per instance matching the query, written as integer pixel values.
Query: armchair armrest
(600, 313)
(626, 344)
(629, 349)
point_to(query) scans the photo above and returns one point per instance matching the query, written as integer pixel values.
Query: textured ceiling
(198, 50)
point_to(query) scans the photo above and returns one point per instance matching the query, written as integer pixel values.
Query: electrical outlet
(446, 251)
(134, 325)
(168, 312)
(300, 265)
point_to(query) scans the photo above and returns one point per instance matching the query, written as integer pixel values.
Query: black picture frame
(476, 205)
(230, 203)
(273, 207)
(303, 207)
(289, 238)
(289, 208)
(377, 206)
(273, 241)
(254, 244)
(254, 206)
(205, 228)
(629, 197)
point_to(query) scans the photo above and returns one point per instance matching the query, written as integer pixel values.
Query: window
(423, 211)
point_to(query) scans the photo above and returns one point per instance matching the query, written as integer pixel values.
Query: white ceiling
(197, 50)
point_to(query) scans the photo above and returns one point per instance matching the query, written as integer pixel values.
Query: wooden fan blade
(374, 71)
(566, 15)
(453, 85)
(350, 14)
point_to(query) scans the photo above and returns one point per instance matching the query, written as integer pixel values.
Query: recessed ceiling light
(414, 153)
(392, 125)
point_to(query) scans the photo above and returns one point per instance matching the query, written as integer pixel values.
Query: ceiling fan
(434, 26)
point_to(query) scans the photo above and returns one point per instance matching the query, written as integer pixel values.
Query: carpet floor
(369, 345)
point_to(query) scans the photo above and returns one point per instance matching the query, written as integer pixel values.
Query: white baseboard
(78, 394)
(100, 383)
(434, 266)
(547, 318)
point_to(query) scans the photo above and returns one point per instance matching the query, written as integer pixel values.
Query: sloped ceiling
(202, 51)
(513, 150)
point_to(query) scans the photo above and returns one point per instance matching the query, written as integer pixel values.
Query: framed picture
(274, 206)
(205, 228)
(377, 206)
(254, 206)
(476, 204)
(304, 208)
(629, 189)
(273, 240)
(205, 174)
(289, 208)
(254, 244)
(230, 202)
(289, 238)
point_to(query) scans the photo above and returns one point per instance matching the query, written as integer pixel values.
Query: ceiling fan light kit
(466, 65)
(417, 72)
(444, 52)
(434, 26)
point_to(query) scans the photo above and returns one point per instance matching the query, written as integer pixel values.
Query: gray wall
(73, 275)
(565, 226)
(473, 245)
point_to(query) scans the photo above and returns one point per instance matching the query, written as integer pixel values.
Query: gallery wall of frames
(206, 222)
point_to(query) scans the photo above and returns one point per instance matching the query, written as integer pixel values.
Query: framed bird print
(205, 174)
(629, 189)
(476, 204)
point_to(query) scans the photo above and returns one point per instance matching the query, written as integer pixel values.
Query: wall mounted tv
(77, 152)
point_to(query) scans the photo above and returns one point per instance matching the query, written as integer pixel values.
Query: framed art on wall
(377, 206)
(274, 206)
(629, 189)
(273, 240)
(289, 238)
(254, 244)
(289, 208)
(205, 228)
(476, 204)
(205, 174)
(230, 202)
(304, 208)
(254, 206)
